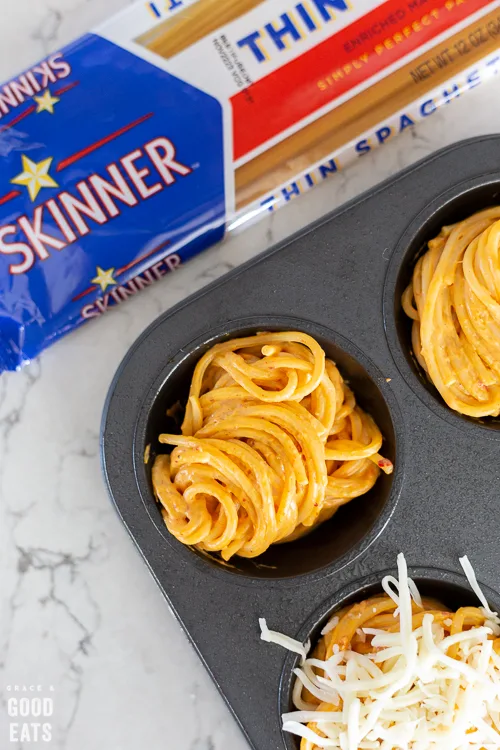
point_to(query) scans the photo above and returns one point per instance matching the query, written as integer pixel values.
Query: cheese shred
(271, 636)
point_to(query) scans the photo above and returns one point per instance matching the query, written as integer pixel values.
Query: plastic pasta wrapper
(145, 142)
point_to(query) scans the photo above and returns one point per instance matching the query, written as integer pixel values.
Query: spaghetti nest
(454, 301)
(272, 445)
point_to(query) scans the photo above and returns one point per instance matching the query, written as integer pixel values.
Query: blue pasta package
(111, 175)
(141, 144)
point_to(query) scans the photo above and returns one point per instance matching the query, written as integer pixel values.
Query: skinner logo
(120, 292)
(30, 710)
(16, 92)
(292, 26)
(96, 198)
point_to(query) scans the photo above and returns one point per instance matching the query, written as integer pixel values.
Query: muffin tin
(339, 280)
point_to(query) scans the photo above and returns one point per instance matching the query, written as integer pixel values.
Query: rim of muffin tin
(206, 562)
(356, 591)
(408, 250)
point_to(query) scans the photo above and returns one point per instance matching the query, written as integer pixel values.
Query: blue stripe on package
(111, 175)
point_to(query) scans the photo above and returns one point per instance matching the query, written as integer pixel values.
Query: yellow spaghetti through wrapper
(454, 301)
(272, 445)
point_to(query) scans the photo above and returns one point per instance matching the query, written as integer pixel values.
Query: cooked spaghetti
(397, 671)
(454, 301)
(272, 444)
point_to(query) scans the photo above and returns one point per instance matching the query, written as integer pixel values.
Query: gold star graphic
(104, 278)
(35, 176)
(46, 102)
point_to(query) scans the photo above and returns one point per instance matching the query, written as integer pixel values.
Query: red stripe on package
(371, 44)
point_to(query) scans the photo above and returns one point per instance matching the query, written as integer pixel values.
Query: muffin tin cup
(354, 527)
(454, 205)
(340, 281)
(451, 589)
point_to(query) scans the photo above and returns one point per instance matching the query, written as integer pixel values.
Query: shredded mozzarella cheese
(471, 577)
(330, 625)
(271, 636)
(409, 694)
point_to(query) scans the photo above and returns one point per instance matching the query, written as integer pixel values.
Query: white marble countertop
(79, 610)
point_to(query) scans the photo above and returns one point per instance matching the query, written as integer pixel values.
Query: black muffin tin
(340, 280)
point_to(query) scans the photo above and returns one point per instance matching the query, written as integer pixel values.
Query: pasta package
(178, 121)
